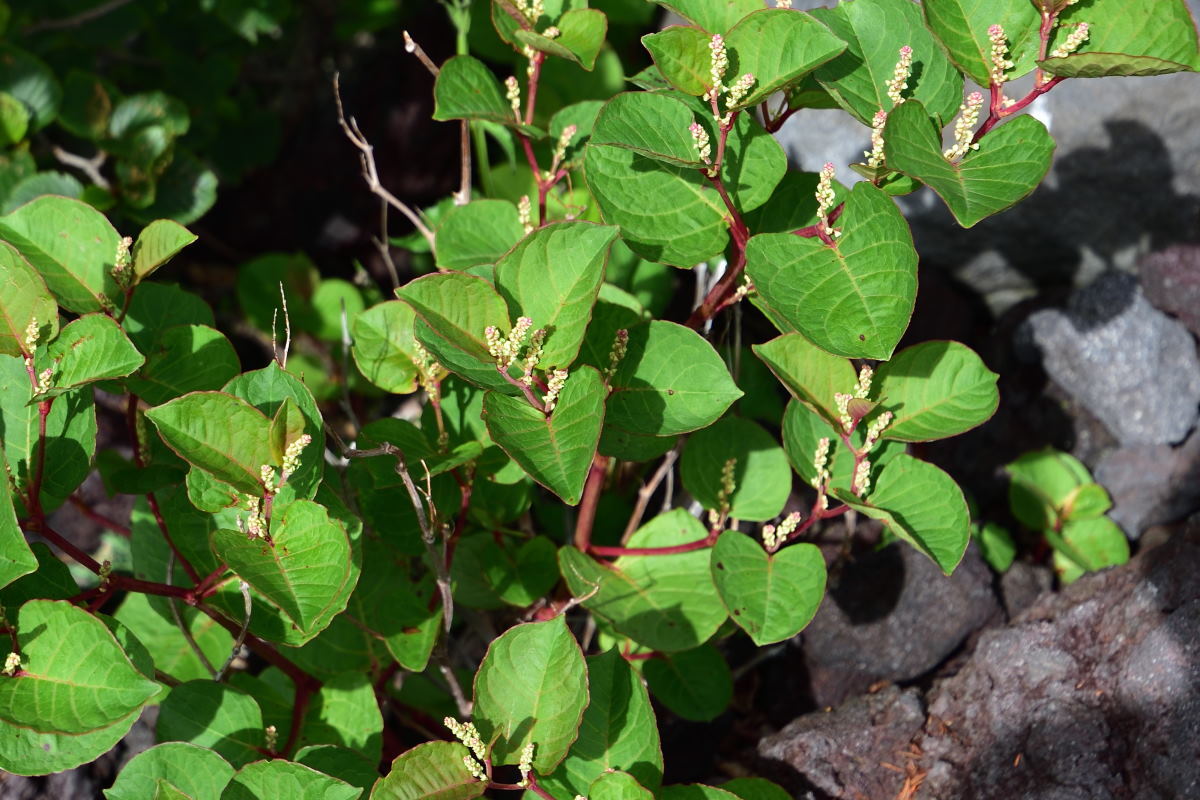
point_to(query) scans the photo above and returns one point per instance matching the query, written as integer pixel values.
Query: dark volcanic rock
(1171, 280)
(892, 615)
(1093, 693)
(1152, 484)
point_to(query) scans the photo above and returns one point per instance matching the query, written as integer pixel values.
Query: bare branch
(411, 46)
(647, 490)
(247, 606)
(75, 21)
(179, 623)
(88, 166)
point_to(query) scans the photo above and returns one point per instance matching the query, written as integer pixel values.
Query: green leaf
(754, 161)
(466, 89)
(158, 243)
(199, 772)
(165, 791)
(345, 712)
(666, 214)
(553, 276)
(384, 346)
(14, 119)
(695, 684)
(670, 381)
(267, 780)
(70, 435)
(213, 715)
(1086, 501)
(772, 597)
(778, 46)
(488, 575)
(29, 80)
(304, 569)
(185, 358)
(810, 375)
(694, 791)
(531, 687)
(665, 602)
(1042, 483)
(150, 620)
(762, 480)
(86, 105)
(477, 233)
(1088, 545)
(1009, 164)
(92, 348)
(617, 786)
(714, 16)
(74, 676)
(155, 307)
(618, 731)
(581, 35)
(219, 433)
(42, 183)
(430, 771)
(962, 26)
(1127, 37)
(51, 581)
(16, 559)
(651, 125)
(332, 295)
(803, 429)
(922, 505)
(853, 299)
(683, 57)
(339, 762)
(395, 608)
(27, 752)
(23, 299)
(453, 311)
(755, 789)
(875, 31)
(997, 546)
(184, 192)
(936, 390)
(71, 244)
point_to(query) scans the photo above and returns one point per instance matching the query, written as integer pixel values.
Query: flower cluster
(532, 9)
(876, 428)
(825, 196)
(700, 140)
(964, 127)
(560, 149)
(728, 486)
(122, 262)
(821, 464)
(617, 353)
(32, 333)
(12, 663)
(291, 456)
(1001, 63)
(735, 93)
(900, 75)
(525, 213)
(1075, 39)
(513, 93)
(526, 764)
(466, 733)
(862, 477)
(255, 524)
(875, 154)
(554, 387)
(506, 349)
(774, 537)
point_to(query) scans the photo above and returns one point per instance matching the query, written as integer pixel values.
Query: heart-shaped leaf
(936, 390)
(695, 684)
(962, 26)
(581, 33)
(853, 298)
(1009, 164)
(555, 450)
(430, 771)
(651, 125)
(683, 57)
(198, 771)
(92, 348)
(770, 596)
(777, 46)
(810, 374)
(762, 480)
(466, 89)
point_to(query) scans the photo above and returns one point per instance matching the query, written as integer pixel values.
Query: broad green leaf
(683, 57)
(695, 684)
(651, 125)
(1009, 164)
(157, 244)
(996, 545)
(87, 104)
(165, 791)
(670, 381)
(184, 192)
(138, 111)
(778, 46)
(267, 780)
(714, 16)
(199, 772)
(384, 347)
(875, 31)
(803, 429)
(1086, 501)
(304, 569)
(665, 602)
(390, 606)
(762, 480)
(1087, 545)
(1042, 483)
(617, 786)
(334, 295)
(339, 762)
(155, 307)
(666, 214)
(466, 89)
(581, 35)
(23, 299)
(962, 26)
(755, 789)
(265, 283)
(219, 433)
(345, 712)
(42, 183)
(770, 596)
(71, 244)
(552, 276)
(27, 752)
(477, 233)
(215, 716)
(851, 299)
(1127, 37)
(531, 687)
(150, 620)
(29, 80)
(618, 731)
(936, 390)
(185, 358)
(694, 791)
(92, 348)
(74, 676)
(453, 311)
(70, 435)
(922, 505)
(16, 559)
(14, 119)
(754, 161)
(430, 771)
(488, 575)
(810, 374)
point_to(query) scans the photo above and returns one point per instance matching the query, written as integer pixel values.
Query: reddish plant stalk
(591, 499)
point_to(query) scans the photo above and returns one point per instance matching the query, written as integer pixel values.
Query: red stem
(591, 499)
(162, 526)
(996, 108)
(699, 544)
(525, 390)
(97, 517)
(534, 77)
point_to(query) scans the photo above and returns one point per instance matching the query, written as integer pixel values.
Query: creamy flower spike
(875, 154)
(900, 75)
(1001, 63)
(1074, 41)
(825, 196)
(964, 127)
(513, 93)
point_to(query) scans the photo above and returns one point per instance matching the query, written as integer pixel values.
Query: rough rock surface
(892, 615)
(842, 751)
(1152, 484)
(1171, 281)
(1128, 363)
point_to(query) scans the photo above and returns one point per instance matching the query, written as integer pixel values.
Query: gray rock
(1125, 361)
(1022, 584)
(1091, 693)
(842, 753)
(1171, 281)
(1151, 484)
(893, 616)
